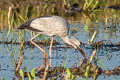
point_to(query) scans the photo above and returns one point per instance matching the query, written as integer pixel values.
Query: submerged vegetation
(88, 12)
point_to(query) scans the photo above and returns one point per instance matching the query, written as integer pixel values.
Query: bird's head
(74, 43)
(71, 41)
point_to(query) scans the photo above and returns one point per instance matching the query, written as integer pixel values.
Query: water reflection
(16, 49)
(108, 53)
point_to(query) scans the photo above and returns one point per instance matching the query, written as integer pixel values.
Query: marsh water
(102, 18)
(108, 57)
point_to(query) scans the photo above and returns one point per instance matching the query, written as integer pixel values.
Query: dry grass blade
(45, 73)
(21, 17)
(9, 14)
(92, 56)
(19, 63)
(93, 37)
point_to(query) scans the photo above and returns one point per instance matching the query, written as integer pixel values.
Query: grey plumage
(52, 25)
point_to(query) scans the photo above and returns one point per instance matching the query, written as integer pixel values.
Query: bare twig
(45, 73)
(92, 56)
(93, 37)
(19, 63)
(83, 53)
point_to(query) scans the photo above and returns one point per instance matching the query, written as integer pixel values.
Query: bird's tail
(21, 27)
(26, 25)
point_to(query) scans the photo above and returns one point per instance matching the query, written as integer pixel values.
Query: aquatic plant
(91, 5)
(86, 74)
(69, 74)
(2, 78)
(22, 74)
(65, 62)
(29, 77)
(33, 73)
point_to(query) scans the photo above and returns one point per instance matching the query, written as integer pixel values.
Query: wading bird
(51, 26)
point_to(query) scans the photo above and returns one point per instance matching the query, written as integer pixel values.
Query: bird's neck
(67, 40)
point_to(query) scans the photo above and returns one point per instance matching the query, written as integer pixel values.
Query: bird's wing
(42, 24)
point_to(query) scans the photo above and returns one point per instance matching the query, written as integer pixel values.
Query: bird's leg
(50, 49)
(50, 52)
(32, 41)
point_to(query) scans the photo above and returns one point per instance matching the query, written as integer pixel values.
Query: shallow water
(108, 58)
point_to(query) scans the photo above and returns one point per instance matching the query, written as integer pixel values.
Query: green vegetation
(87, 71)
(22, 74)
(2, 78)
(33, 73)
(69, 74)
(65, 62)
(30, 76)
(18, 12)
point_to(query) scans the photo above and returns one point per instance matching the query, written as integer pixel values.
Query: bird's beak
(82, 52)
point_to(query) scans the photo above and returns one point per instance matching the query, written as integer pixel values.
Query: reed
(22, 74)
(18, 12)
(2, 78)
(71, 77)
